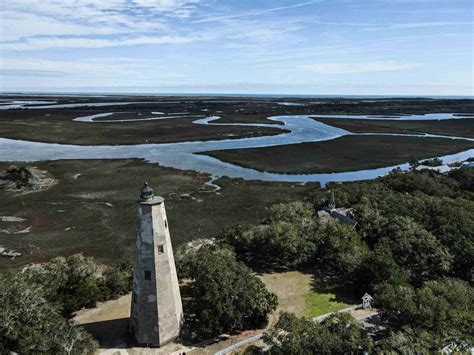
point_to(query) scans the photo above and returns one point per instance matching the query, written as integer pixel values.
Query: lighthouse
(156, 312)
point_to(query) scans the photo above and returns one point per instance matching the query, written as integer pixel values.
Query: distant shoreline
(302, 96)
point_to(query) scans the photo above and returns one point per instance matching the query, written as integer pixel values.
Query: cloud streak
(355, 68)
(58, 42)
(27, 18)
(408, 25)
(255, 12)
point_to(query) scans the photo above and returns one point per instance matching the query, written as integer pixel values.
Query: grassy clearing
(95, 213)
(296, 294)
(347, 153)
(322, 303)
(291, 288)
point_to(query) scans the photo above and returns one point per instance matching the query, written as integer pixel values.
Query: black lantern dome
(146, 192)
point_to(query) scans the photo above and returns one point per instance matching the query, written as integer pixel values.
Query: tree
(452, 222)
(19, 176)
(407, 341)
(465, 178)
(74, 282)
(339, 249)
(370, 220)
(282, 243)
(415, 249)
(71, 282)
(114, 283)
(336, 334)
(440, 311)
(29, 324)
(432, 162)
(293, 212)
(379, 266)
(285, 239)
(436, 185)
(224, 294)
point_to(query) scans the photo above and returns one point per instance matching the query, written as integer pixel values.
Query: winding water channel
(182, 155)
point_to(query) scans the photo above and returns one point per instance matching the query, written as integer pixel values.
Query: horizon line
(236, 94)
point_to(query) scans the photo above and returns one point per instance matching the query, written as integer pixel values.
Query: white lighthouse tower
(156, 313)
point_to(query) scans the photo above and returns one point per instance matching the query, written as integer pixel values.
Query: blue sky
(359, 47)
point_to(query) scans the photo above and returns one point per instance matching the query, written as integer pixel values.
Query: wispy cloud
(100, 72)
(352, 68)
(255, 12)
(206, 42)
(30, 72)
(409, 25)
(428, 24)
(27, 18)
(62, 42)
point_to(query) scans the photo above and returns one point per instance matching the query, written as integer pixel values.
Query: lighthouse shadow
(110, 333)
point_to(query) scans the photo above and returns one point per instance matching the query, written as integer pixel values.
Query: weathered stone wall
(156, 313)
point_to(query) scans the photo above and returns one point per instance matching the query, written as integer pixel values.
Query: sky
(319, 47)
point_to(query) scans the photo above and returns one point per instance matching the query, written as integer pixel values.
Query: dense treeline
(38, 300)
(413, 248)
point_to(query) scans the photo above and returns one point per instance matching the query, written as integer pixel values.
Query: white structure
(442, 169)
(157, 314)
(455, 347)
(366, 299)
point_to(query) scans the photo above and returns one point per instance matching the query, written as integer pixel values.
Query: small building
(341, 215)
(457, 347)
(366, 300)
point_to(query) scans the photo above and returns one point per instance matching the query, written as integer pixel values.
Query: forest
(412, 249)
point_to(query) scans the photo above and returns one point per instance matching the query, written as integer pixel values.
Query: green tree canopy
(29, 324)
(74, 282)
(224, 294)
(337, 334)
(285, 239)
(441, 311)
(415, 249)
(339, 250)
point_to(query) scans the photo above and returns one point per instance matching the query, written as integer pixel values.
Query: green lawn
(321, 303)
(295, 293)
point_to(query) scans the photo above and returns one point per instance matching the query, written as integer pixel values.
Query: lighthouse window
(148, 275)
(161, 248)
(166, 224)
